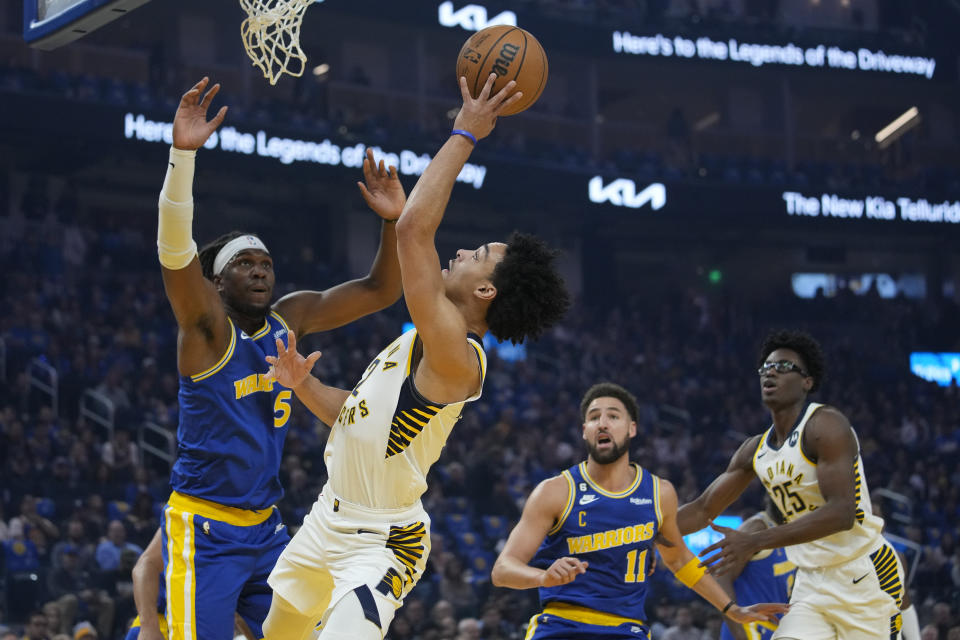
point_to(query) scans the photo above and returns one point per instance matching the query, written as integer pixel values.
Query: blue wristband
(466, 134)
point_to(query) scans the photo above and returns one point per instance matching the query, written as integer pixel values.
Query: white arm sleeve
(911, 624)
(175, 244)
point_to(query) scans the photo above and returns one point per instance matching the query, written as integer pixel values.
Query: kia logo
(473, 17)
(623, 193)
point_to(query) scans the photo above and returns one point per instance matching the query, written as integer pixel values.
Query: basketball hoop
(271, 36)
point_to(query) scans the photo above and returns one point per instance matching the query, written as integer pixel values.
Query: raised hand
(479, 115)
(289, 368)
(562, 571)
(190, 126)
(760, 612)
(382, 191)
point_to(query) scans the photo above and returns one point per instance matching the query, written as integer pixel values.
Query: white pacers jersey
(387, 435)
(791, 480)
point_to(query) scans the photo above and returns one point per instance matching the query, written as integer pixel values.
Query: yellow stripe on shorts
(531, 627)
(180, 575)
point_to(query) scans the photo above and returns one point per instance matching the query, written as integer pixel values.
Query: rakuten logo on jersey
(623, 193)
(473, 17)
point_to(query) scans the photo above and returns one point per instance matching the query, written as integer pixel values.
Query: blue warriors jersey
(768, 577)
(614, 533)
(233, 423)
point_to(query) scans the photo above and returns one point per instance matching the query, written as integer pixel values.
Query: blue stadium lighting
(942, 368)
(702, 539)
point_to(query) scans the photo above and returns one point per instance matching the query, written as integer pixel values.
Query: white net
(271, 36)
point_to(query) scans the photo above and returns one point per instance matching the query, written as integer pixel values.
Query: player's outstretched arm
(686, 567)
(450, 373)
(204, 332)
(311, 311)
(292, 370)
(146, 587)
(721, 493)
(830, 440)
(540, 514)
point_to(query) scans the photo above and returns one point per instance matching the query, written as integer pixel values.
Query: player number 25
(281, 408)
(797, 505)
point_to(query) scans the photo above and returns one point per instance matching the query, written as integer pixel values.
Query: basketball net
(271, 36)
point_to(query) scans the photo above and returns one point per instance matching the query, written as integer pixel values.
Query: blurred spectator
(141, 521)
(73, 589)
(468, 629)
(929, 632)
(85, 631)
(683, 628)
(109, 551)
(455, 589)
(30, 519)
(37, 628)
(121, 454)
(20, 555)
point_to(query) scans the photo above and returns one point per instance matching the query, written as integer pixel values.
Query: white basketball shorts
(342, 548)
(856, 600)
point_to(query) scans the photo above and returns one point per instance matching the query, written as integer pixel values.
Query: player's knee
(357, 616)
(285, 622)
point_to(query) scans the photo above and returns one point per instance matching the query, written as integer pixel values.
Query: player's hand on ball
(479, 115)
(563, 571)
(190, 126)
(382, 191)
(761, 612)
(289, 368)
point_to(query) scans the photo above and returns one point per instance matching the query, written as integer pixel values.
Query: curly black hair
(809, 350)
(609, 390)
(210, 250)
(531, 295)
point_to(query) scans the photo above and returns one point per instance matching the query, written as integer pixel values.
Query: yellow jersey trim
(656, 501)
(203, 375)
(571, 494)
(800, 447)
(262, 331)
(215, 511)
(413, 344)
(279, 319)
(480, 358)
(609, 494)
(763, 439)
(586, 615)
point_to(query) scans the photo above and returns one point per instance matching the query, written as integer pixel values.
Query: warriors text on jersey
(614, 532)
(233, 423)
(387, 435)
(790, 478)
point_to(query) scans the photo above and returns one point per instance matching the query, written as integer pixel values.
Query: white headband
(232, 248)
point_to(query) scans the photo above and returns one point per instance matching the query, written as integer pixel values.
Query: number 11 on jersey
(636, 572)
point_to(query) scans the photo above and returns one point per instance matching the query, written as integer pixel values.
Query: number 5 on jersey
(281, 408)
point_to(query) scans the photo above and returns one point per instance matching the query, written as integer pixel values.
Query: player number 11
(636, 572)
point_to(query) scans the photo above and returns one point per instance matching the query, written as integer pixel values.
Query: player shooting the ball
(364, 545)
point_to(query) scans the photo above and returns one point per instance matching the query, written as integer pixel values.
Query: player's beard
(612, 454)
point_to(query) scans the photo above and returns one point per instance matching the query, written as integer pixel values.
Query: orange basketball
(512, 54)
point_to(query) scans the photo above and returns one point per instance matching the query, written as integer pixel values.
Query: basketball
(512, 54)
